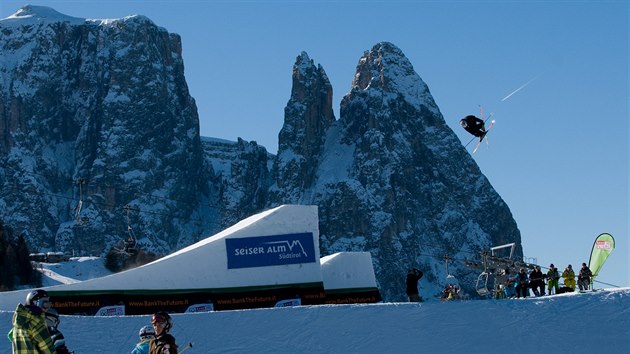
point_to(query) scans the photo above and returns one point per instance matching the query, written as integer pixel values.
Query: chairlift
(482, 280)
(450, 279)
(451, 286)
(80, 220)
(131, 241)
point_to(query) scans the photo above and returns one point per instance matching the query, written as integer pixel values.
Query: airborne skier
(474, 125)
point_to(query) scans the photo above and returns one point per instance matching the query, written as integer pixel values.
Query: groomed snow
(597, 322)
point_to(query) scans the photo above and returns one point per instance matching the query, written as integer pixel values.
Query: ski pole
(188, 346)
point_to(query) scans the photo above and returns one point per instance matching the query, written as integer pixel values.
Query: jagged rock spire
(307, 116)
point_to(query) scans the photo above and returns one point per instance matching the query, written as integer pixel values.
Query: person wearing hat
(29, 333)
(146, 334)
(163, 343)
(552, 279)
(569, 277)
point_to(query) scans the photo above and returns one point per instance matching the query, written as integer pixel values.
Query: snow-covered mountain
(389, 177)
(107, 101)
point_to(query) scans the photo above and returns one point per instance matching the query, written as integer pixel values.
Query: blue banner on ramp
(262, 251)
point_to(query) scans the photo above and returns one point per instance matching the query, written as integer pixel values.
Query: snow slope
(78, 269)
(597, 322)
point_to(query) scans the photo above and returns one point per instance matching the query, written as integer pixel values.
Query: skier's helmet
(146, 332)
(38, 298)
(52, 318)
(162, 317)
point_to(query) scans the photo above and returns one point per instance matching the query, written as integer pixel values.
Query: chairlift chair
(80, 220)
(131, 240)
(482, 281)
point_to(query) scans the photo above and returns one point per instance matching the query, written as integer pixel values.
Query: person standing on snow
(569, 277)
(29, 334)
(552, 279)
(413, 276)
(584, 277)
(146, 335)
(536, 281)
(163, 343)
(522, 283)
(59, 342)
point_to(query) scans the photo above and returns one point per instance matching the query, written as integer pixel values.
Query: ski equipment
(484, 137)
(188, 346)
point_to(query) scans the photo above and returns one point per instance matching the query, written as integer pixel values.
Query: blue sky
(558, 154)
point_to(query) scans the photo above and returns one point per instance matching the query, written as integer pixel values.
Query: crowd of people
(35, 330)
(518, 285)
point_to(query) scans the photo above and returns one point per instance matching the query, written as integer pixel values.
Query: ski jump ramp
(269, 259)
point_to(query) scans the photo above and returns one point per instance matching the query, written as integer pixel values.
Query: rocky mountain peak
(307, 117)
(385, 68)
(31, 14)
(105, 101)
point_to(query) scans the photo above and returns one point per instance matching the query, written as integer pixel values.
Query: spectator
(584, 277)
(522, 283)
(413, 276)
(29, 333)
(569, 277)
(537, 282)
(552, 279)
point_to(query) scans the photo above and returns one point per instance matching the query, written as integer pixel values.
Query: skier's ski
(484, 137)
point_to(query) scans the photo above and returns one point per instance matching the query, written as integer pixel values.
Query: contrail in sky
(518, 89)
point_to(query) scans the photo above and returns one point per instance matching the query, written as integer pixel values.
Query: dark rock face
(106, 101)
(393, 179)
(308, 115)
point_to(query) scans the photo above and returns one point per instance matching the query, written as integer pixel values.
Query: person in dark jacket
(59, 341)
(536, 281)
(474, 126)
(29, 334)
(584, 277)
(522, 283)
(413, 276)
(163, 343)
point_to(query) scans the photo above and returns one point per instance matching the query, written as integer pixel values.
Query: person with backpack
(413, 276)
(59, 342)
(29, 333)
(569, 277)
(163, 343)
(146, 335)
(584, 277)
(552, 279)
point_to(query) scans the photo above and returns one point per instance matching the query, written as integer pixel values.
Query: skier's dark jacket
(157, 345)
(473, 125)
(536, 277)
(585, 274)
